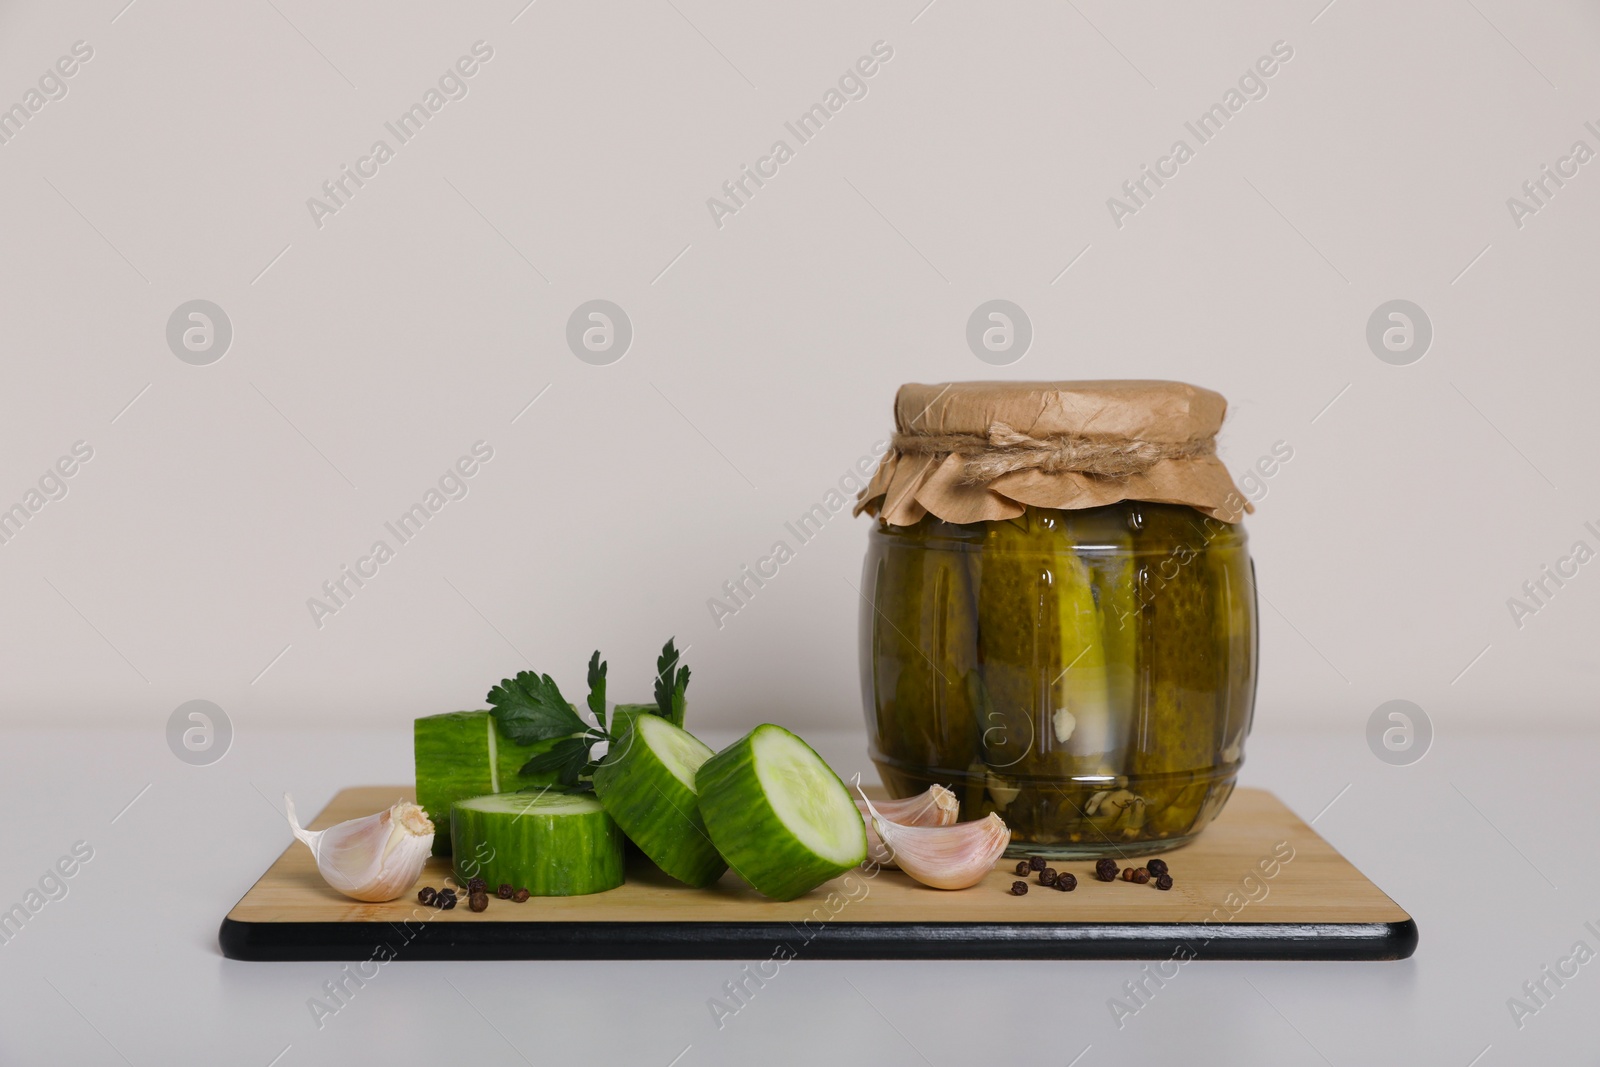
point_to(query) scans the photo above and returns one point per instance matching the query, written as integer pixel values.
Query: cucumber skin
(628, 710)
(452, 763)
(749, 834)
(452, 756)
(538, 853)
(655, 810)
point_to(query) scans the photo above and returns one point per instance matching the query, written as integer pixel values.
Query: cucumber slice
(647, 784)
(778, 814)
(463, 754)
(552, 844)
(630, 709)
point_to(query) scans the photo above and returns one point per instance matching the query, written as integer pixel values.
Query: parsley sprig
(529, 708)
(671, 682)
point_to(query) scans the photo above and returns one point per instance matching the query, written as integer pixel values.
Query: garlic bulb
(936, 807)
(944, 857)
(375, 858)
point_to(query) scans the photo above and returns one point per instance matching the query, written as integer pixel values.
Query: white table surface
(1488, 842)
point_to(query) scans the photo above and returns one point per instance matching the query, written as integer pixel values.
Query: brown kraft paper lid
(980, 451)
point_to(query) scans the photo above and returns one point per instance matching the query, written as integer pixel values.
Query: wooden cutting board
(1258, 883)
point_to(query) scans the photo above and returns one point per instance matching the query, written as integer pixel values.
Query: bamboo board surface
(1257, 865)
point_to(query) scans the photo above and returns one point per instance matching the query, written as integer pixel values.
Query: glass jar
(1088, 674)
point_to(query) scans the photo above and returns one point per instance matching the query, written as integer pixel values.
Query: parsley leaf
(671, 683)
(530, 708)
(597, 689)
(567, 757)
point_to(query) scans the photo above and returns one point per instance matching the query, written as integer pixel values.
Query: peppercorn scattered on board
(1257, 884)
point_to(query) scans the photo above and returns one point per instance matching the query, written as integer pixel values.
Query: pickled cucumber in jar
(1181, 702)
(920, 673)
(1051, 713)
(1088, 674)
(1059, 617)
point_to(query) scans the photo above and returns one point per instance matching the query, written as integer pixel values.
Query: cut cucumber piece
(463, 754)
(778, 814)
(551, 844)
(647, 783)
(630, 709)
(633, 711)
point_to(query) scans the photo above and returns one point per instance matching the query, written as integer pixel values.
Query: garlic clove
(944, 857)
(1001, 790)
(374, 858)
(936, 807)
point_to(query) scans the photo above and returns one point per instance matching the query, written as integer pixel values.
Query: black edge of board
(290, 941)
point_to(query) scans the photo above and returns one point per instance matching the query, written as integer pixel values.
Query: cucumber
(628, 711)
(463, 754)
(1043, 652)
(551, 844)
(631, 710)
(1184, 687)
(646, 783)
(918, 614)
(778, 814)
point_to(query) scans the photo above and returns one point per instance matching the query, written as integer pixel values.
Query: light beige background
(371, 352)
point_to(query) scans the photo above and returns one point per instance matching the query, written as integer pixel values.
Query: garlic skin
(944, 857)
(936, 807)
(374, 858)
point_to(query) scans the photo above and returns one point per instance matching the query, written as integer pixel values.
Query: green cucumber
(1185, 664)
(919, 617)
(551, 844)
(628, 711)
(646, 783)
(1043, 651)
(462, 754)
(778, 814)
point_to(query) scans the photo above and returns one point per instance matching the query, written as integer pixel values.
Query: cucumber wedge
(551, 844)
(647, 784)
(778, 814)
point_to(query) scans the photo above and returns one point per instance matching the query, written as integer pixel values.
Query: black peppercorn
(1105, 869)
(1163, 881)
(426, 894)
(478, 901)
(475, 883)
(1036, 862)
(1157, 867)
(445, 903)
(1019, 889)
(505, 891)
(1047, 876)
(520, 896)
(1023, 866)
(1066, 881)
